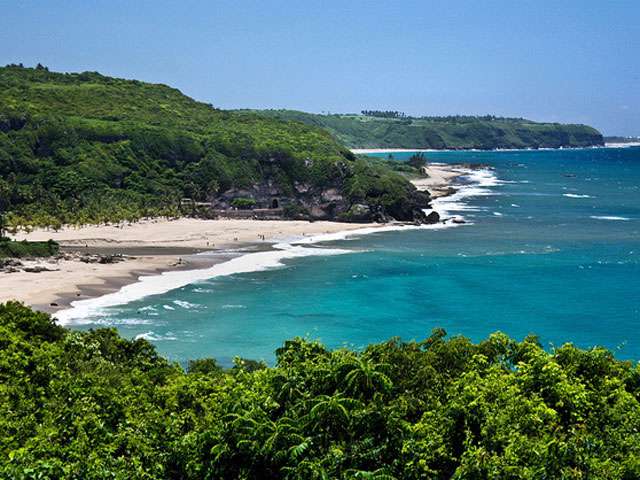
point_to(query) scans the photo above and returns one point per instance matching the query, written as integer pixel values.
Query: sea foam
(575, 195)
(158, 284)
(610, 217)
(153, 337)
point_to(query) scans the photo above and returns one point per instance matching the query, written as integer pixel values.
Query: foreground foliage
(88, 405)
(87, 148)
(396, 130)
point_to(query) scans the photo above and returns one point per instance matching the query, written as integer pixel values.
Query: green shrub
(243, 203)
(90, 404)
(10, 248)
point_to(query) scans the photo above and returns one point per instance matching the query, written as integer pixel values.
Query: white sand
(41, 289)
(186, 232)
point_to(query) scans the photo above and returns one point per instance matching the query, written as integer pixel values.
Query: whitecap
(153, 337)
(186, 305)
(166, 307)
(231, 306)
(576, 195)
(610, 217)
(106, 321)
(132, 321)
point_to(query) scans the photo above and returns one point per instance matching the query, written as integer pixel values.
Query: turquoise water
(552, 249)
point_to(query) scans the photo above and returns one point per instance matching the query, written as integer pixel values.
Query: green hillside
(92, 405)
(456, 132)
(90, 148)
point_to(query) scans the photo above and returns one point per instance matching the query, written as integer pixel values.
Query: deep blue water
(566, 268)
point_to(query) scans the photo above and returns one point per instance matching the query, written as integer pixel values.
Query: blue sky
(561, 60)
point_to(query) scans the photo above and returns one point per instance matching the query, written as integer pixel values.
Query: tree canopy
(92, 405)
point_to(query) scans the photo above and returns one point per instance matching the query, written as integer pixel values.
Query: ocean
(551, 247)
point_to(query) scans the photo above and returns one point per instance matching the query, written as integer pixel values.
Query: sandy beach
(439, 179)
(153, 246)
(149, 247)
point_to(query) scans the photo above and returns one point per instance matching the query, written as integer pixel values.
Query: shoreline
(184, 244)
(156, 247)
(366, 151)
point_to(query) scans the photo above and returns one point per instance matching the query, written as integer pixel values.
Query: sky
(548, 60)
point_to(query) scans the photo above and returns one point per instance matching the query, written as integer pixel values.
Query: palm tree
(287, 388)
(5, 196)
(364, 378)
(284, 439)
(332, 412)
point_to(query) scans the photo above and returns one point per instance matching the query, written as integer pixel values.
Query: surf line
(83, 311)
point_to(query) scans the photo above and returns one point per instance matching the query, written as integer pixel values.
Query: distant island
(78, 148)
(622, 141)
(392, 129)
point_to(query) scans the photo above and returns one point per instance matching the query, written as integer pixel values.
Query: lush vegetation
(13, 249)
(243, 203)
(417, 161)
(81, 148)
(375, 129)
(92, 405)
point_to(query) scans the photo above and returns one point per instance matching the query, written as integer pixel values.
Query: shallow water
(552, 248)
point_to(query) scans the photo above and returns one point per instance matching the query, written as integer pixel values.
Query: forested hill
(393, 130)
(83, 147)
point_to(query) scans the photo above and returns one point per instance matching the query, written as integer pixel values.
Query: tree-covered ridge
(88, 148)
(392, 129)
(92, 405)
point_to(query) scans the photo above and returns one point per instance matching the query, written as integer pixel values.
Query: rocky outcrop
(304, 201)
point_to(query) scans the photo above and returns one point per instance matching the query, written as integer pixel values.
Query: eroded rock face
(432, 217)
(332, 195)
(304, 201)
(360, 212)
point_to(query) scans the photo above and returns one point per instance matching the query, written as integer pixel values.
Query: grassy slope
(85, 147)
(358, 131)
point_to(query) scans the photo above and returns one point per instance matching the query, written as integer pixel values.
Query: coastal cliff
(87, 148)
(395, 130)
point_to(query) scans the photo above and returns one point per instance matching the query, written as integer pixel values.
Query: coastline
(149, 247)
(153, 248)
(366, 151)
